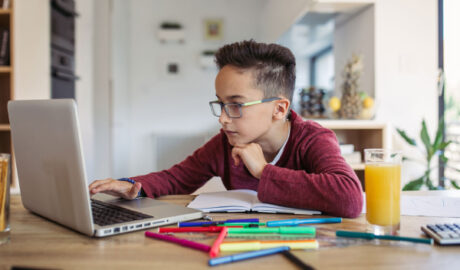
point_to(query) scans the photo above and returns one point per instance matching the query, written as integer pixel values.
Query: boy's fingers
(236, 156)
(134, 190)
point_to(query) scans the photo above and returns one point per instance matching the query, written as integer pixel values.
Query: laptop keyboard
(107, 214)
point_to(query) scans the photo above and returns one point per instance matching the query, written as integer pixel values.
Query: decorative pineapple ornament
(351, 100)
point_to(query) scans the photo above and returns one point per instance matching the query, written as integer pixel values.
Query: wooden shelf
(5, 69)
(4, 127)
(5, 11)
(357, 167)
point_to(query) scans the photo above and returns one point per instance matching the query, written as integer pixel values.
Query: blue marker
(246, 255)
(215, 223)
(295, 222)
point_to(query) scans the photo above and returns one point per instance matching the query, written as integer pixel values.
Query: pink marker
(182, 242)
(216, 246)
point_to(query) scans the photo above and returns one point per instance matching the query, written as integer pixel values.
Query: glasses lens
(216, 108)
(233, 110)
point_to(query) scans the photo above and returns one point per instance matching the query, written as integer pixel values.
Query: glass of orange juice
(382, 184)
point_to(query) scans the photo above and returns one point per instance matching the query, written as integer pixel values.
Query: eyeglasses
(233, 110)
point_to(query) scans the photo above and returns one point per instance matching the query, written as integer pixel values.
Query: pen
(193, 229)
(214, 223)
(280, 230)
(215, 247)
(384, 237)
(243, 224)
(296, 261)
(295, 222)
(183, 242)
(257, 245)
(246, 255)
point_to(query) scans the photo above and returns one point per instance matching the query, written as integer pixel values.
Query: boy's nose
(223, 118)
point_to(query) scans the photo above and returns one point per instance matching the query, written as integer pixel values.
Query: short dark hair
(273, 65)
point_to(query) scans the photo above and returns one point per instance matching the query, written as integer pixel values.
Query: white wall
(406, 68)
(32, 49)
(84, 55)
(159, 103)
(355, 35)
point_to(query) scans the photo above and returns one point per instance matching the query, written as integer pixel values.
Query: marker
(295, 222)
(383, 237)
(243, 224)
(258, 245)
(193, 229)
(214, 223)
(297, 261)
(246, 255)
(280, 230)
(215, 247)
(182, 242)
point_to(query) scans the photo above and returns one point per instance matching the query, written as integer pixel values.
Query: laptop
(52, 178)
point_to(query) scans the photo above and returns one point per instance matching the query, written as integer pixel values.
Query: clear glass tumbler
(5, 180)
(382, 182)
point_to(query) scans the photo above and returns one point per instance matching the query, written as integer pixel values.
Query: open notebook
(241, 200)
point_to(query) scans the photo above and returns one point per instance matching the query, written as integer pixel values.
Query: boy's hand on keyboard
(114, 187)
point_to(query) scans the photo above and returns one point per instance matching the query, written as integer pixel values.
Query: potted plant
(431, 149)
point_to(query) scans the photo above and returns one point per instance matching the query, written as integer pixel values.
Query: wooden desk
(36, 242)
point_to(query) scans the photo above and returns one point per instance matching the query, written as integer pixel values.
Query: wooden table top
(36, 242)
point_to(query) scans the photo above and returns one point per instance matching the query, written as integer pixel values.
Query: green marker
(280, 230)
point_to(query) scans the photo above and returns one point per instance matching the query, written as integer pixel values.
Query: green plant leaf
(414, 184)
(439, 135)
(426, 140)
(443, 145)
(454, 184)
(409, 140)
(443, 158)
(429, 184)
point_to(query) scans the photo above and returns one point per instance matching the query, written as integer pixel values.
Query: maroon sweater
(310, 174)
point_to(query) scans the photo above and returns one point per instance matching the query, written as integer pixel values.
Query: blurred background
(142, 73)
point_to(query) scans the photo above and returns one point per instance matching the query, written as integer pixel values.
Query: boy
(263, 145)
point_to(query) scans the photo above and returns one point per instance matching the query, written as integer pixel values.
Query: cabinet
(7, 84)
(362, 134)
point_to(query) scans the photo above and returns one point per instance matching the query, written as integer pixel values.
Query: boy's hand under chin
(252, 156)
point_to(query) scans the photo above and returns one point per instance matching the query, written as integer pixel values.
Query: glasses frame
(240, 105)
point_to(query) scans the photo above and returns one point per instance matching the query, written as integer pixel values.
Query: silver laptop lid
(50, 164)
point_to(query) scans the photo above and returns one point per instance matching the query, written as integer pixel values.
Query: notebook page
(273, 208)
(224, 201)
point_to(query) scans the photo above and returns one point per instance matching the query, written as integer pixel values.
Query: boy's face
(234, 85)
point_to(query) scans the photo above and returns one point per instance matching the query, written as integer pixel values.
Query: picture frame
(213, 29)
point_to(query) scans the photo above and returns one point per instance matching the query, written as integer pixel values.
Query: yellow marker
(257, 245)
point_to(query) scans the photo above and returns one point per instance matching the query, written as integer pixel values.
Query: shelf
(5, 69)
(5, 11)
(357, 167)
(4, 127)
(350, 124)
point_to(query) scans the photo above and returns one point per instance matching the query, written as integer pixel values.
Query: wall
(406, 69)
(355, 35)
(152, 101)
(84, 55)
(32, 45)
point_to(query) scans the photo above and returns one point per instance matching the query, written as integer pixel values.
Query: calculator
(443, 234)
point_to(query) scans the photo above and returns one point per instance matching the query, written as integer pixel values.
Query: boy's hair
(273, 65)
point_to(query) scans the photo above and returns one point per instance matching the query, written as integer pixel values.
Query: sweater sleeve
(188, 175)
(325, 182)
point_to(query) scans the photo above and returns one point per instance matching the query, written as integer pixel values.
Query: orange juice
(383, 188)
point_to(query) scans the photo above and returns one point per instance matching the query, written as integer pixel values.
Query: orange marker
(216, 246)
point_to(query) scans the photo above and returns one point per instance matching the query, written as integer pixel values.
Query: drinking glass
(382, 182)
(5, 179)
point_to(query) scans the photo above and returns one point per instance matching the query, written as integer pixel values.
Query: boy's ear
(281, 109)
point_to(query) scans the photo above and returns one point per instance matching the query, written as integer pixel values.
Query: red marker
(190, 229)
(215, 247)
